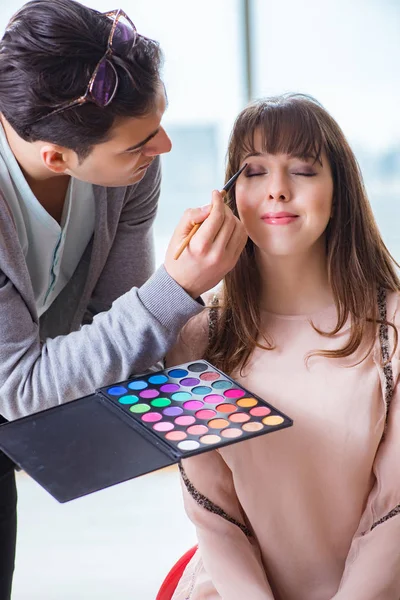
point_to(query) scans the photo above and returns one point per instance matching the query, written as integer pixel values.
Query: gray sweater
(112, 319)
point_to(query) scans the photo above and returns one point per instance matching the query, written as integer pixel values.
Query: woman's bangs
(287, 129)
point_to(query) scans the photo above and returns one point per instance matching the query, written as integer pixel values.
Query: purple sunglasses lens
(104, 84)
(123, 33)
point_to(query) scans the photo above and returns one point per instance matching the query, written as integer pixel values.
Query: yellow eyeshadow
(247, 402)
(273, 420)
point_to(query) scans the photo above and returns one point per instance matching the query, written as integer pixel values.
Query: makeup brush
(229, 184)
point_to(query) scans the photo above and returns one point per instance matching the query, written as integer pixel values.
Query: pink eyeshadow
(239, 418)
(149, 394)
(176, 436)
(163, 426)
(234, 393)
(185, 420)
(205, 414)
(151, 417)
(197, 429)
(260, 411)
(209, 376)
(213, 399)
(231, 433)
(193, 405)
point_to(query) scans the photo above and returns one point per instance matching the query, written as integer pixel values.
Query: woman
(307, 320)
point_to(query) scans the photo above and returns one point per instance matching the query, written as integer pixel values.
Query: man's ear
(56, 158)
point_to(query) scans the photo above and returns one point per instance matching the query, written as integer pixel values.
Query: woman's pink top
(322, 498)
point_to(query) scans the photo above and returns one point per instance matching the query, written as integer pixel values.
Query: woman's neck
(295, 285)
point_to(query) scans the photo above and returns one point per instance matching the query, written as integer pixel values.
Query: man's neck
(49, 188)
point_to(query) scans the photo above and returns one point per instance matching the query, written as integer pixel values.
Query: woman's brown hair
(358, 261)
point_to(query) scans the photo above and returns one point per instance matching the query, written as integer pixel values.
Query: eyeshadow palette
(195, 406)
(136, 426)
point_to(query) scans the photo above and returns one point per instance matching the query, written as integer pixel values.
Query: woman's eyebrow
(252, 154)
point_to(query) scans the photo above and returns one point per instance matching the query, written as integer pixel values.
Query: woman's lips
(279, 218)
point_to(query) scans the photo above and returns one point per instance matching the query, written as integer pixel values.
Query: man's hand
(212, 252)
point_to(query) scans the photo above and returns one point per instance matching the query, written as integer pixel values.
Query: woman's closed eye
(305, 173)
(250, 173)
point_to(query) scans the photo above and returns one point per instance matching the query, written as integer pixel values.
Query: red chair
(171, 581)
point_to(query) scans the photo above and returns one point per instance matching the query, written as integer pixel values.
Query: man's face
(123, 160)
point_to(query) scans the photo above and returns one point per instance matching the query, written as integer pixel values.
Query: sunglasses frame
(88, 96)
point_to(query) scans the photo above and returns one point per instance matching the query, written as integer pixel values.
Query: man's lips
(279, 218)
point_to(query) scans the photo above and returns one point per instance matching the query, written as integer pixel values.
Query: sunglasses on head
(103, 83)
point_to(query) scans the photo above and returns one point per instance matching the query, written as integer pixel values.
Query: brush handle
(187, 239)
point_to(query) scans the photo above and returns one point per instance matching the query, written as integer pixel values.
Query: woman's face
(284, 202)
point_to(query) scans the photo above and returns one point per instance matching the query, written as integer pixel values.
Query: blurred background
(219, 54)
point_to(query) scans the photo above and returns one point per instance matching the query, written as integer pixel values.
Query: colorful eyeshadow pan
(210, 439)
(137, 385)
(209, 376)
(213, 399)
(149, 394)
(247, 402)
(252, 427)
(221, 385)
(176, 373)
(197, 430)
(176, 436)
(239, 417)
(163, 426)
(218, 423)
(158, 379)
(173, 411)
(260, 411)
(181, 396)
(139, 408)
(128, 399)
(118, 390)
(168, 388)
(235, 393)
(226, 408)
(194, 407)
(188, 445)
(231, 433)
(160, 402)
(273, 420)
(185, 420)
(151, 417)
(205, 414)
(189, 381)
(197, 367)
(201, 389)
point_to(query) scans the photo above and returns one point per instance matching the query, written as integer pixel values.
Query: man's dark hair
(47, 56)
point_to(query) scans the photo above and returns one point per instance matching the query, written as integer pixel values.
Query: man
(81, 104)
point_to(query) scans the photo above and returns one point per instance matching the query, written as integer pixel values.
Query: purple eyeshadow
(189, 381)
(172, 411)
(170, 387)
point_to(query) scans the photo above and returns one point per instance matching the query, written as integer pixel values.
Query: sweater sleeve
(233, 569)
(372, 569)
(128, 333)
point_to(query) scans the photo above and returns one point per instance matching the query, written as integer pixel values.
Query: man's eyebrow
(143, 142)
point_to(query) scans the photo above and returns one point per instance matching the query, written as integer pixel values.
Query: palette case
(135, 427)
